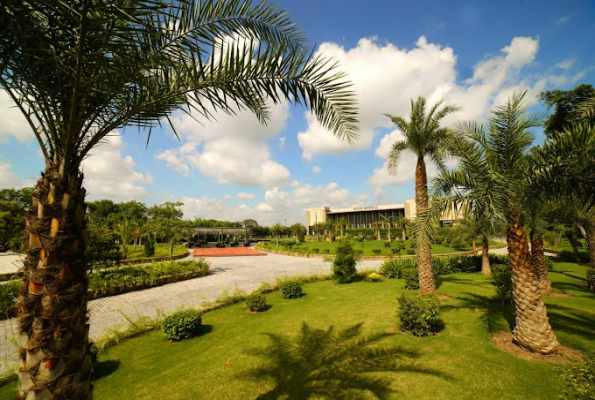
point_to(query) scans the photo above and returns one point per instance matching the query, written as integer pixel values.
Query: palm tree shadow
(494, 316)
(331, 364)
(105, 368)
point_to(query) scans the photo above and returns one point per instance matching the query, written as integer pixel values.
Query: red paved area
(227, 252)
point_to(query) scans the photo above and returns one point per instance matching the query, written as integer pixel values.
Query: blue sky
(474, 54)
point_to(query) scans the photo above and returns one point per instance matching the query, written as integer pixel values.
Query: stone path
(9, 263)
(245, 273)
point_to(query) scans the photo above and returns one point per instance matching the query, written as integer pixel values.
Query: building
(365, 216)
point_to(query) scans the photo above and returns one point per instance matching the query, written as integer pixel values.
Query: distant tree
(250, 223)
(297, 230)
(388, 221)
(402, 223)
(343, 223)
(425, 138)
(100, 211)
(167, 210)
(277, 230)
(376, 226)
(567, 106)
(12, 216)
(126, 232)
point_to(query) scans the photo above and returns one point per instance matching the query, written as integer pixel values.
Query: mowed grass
(367, 247)
(459, 363)
(161, 250)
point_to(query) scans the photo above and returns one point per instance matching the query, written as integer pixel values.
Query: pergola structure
(221, 233)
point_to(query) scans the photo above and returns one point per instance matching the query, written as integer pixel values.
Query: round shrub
(376, 252)
(387, 244)
(344, 264)
(410, 252)
(326, 251)
(315, 251)
(580, 381)
(411, 277)
(182, 324)
(291, 289)
(256, 302)
(374, 277)
(502, 279)
(420, 315)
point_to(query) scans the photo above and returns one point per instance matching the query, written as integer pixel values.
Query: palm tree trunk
(532, 330)
(590, 231)
(341, 231)
(486, 269)
(404, 232)
(574, 246)
(424, 255)
(474, 247)
(539, 265)
(389, 238)
(52, 303)
(378, 234)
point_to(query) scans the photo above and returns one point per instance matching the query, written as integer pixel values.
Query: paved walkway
(10, 262)
(246, 273)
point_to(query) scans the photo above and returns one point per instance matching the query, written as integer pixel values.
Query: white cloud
(109, 174)
(316, 170)
(227, 197)
(13, 122)
(563, 20)
(8, 180)
(245, 195)
(282, 142)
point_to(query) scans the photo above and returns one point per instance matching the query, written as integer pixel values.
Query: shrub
(502, 279)
(315, 251)
(410, 252)
(370, 237)
(373, 277)
(401, 246)
(387, 244)
(94, 351)
(291, 289)
(580, 381)
(394, 268)
(591, 280)
(358, 238)
(8, 294)
(411, 278)
(344, 264)
(326, 251)
(359, 253)
(256, 302)
(182, 324)
(420, 315)
(149, 248)
(376, 252)
(395, 252)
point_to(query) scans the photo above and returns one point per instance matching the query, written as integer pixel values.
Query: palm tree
(343, 223)
(501, 153)
(277, 230)
(388, 221)
(80, 69)
(297, 229)
(402, 223)
(126, 231)
(377, 225)
(426, 138)
(317, 227)
(329, 227)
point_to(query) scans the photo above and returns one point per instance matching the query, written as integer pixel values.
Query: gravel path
(246, 273)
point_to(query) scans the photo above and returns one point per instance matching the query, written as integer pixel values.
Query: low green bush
(256, 302)
(149, 248)
(291, 289)
(358, 238)
(502, 279)
(344, 264)
(410, 252)
(326, 251)
(420, 315)
(591, 280)
(8, 294)
(373, 277)
(394, 268)
(387, 244)
(359, 253)
(376, 252)
(580, 381)
(182, 325)
(411, 277)
(315, 251)
(395, 252)
(94, 351)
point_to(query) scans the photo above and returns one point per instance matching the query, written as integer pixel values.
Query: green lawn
(367, 247)
(161, 250)
(459, 363)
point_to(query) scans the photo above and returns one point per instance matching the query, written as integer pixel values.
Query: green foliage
(376, 252)
(411, 277)
(344, 264)
(387, 244)
(182, 325)
(591, 280)
(315, 251)
(8, 294)
(410, 252)
(291, 289)
(566, 103)
(12, 217)
(149, 249)
(420, 315)
(94, 351)
(135, 277)
(394, 268)
(374, 277)
(103, 251)
(502, 279)
(580, 381)
(359, 238)
(256, 302)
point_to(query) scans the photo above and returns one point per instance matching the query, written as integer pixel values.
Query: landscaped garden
(242, 355)
(161, 250)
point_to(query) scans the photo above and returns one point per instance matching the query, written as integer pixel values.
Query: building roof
(367, 208)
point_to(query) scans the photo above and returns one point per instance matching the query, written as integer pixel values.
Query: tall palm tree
(402, 223)
(343, 223)
(426, 138)
(317, 228)
(377, 225)
(277, 230)
(501, 154)
(126, 232)
(297, 229)
(388, 221)
(80, 69)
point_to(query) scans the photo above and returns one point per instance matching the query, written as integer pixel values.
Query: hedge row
(114, 281)
(441, 265)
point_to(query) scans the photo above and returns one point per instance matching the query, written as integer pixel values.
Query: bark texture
(574, 246)
(424, 255)
(590, 231)
(539, 264)
(532, 330)
(486, 269)
(52, 304)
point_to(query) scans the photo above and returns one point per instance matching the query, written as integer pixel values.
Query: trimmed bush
(394, 268)
(376, 252)
(411, 278)
(387, 244)
(256, 302)
(182, 325)
(315, 251)
(291, 289)
(149, 248)
(344, 264)
(359, 253)
(580, 381)
(395, 252)
(591, 280)
(410, 252)
(326, 251)
(374, 277)
(358, 238)
(420, 315)
(502, 279)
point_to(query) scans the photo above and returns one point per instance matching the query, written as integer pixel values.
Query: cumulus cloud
(8, 179)
(109, 174)
(245, 195)
(13, 122)
(316, 169)
(230, 150)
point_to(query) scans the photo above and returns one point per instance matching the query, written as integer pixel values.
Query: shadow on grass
(452, 278)
(494, 316)
(331, 364)
(205, 330)
(105, 368)
(568, 320)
